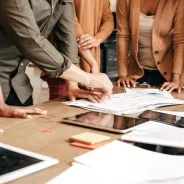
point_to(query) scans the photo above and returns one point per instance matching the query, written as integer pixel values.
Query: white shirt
(145, 51)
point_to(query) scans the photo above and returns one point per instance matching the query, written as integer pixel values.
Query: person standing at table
(93, 24)
(150, 43)
(24, 27)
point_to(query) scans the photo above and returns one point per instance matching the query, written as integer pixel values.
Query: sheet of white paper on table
(117, 157)
(80, 174)
(157, 133)
(127, 103)
(118, 163)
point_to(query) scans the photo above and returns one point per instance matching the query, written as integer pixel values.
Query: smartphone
(162, 117)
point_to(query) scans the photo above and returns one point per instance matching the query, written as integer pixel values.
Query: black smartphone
(162, 117)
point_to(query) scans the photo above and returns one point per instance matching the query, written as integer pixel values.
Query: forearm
(86, 54)
(76, 74)
(176, 77)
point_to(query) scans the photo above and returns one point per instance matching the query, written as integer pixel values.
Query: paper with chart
(127, 103)
(118, 162)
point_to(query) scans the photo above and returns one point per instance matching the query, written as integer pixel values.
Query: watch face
(11, 161)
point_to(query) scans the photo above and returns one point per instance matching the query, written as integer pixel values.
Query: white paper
(121, 163)
(171, 112)
(157, 133)
(127, 103)
(81, 174)
(129, 163)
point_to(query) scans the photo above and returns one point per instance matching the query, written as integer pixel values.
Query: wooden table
(25, 134)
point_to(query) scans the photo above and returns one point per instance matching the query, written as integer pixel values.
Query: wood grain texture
(25, 134)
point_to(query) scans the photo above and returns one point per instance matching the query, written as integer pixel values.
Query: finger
(172, 88)
(87, 42)
(164, 85)
(168, 87)
(127, 82)
(71, 97)
(179, 90)
(19, 114)
(98, 99)
(29, 110)
(132, 82)
(91, 98)
(119, 82)
(107, 93)
(123, 83)
(90, 46)
(84, 39)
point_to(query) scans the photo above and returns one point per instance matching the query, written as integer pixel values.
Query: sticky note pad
(88, 146)
(89, 138)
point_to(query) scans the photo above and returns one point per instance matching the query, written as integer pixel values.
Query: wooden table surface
(25, 134)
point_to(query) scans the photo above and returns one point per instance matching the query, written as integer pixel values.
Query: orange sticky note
(88, 146)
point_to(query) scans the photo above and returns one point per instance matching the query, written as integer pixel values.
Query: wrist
(71, 84)
(176, 77)
(98, 41)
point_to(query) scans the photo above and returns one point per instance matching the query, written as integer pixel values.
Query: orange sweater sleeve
(107, 22)
(77, 26)
(178, 39)
(122, 37)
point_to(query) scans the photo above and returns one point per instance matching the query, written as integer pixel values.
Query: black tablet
(16, 163)
(103, 121)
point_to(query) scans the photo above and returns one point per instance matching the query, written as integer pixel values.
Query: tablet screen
(11, 161)
(106, 121)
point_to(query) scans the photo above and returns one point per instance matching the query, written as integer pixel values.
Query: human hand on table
(76, 92)
(126, 81)
(19, 112)
(173, 85)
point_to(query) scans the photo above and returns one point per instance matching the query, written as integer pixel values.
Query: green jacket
(24, 27)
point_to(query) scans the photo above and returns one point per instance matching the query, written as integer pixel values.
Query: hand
(19, 112)
(101, 83)
(126, 82)
(87, 41)
(171, 86)
(75, 92)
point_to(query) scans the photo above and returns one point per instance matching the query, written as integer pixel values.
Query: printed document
(127, 103)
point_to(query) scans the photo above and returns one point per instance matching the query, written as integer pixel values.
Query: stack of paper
(127, 103)
(118, 162)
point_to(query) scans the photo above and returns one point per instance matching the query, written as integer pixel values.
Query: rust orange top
(167, 38)
(93, 17)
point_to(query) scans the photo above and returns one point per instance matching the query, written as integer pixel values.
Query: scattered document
(127, 103)
(157, 133)
(118, 162)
